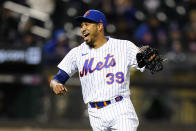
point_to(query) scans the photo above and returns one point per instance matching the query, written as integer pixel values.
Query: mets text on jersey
(109, 62)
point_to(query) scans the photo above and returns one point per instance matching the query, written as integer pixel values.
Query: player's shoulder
(122, 42)
(82, 47)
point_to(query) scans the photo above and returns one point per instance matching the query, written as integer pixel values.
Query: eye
(84, 25)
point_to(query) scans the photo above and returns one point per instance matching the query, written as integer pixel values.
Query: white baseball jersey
(104, 72)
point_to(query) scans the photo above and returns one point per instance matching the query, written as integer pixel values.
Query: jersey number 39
(118, 77)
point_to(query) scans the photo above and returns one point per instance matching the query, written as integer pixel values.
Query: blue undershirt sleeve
(61, 76)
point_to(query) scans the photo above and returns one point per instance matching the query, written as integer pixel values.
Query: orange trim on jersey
(103, 63)
(111, 55)
(105, 103)
(109, 79)
(99, 67)
(112, 62)
(108, 59)
(83, 67)
(118, 78)
(91, 65)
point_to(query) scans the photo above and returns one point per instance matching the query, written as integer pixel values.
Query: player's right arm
(67, 68)
(58, 81)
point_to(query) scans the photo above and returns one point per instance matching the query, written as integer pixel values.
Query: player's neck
(100, 41)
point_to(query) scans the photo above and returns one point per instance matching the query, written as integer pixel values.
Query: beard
(91, 41)
(90, 44)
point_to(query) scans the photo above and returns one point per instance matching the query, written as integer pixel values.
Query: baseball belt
(102, 104)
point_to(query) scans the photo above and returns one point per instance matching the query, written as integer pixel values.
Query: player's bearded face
(89, 32)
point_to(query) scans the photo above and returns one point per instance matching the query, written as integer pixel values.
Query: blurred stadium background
(36, 34)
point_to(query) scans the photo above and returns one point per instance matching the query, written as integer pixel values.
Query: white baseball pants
(118, 116)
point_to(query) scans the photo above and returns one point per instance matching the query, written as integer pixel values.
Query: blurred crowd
(14, 32)
(169, 25)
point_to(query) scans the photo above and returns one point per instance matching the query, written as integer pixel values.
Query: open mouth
(85, 36)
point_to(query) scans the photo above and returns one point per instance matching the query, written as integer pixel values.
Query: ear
(100, 26)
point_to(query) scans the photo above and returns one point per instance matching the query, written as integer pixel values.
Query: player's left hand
(150, 58)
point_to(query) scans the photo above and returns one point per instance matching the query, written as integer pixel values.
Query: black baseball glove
(150, 58)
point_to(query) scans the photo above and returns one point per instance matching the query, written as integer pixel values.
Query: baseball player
(104, 66)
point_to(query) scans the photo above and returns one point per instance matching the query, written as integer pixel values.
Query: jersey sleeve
(68, 64)
(132, 50)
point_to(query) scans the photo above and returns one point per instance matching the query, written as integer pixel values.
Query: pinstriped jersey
(104, 72)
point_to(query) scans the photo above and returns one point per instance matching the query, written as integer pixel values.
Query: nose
(82, 29)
